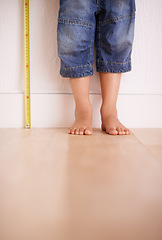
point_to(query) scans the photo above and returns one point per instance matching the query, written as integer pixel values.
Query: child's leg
(114, 39)
(83, 108)
(75, 39)
(109, 87)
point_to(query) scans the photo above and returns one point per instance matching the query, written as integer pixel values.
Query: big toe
(88, 131)
(112, 131)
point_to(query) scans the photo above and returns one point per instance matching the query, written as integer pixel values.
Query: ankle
(83, 108)
(83, 104)
(108, 109)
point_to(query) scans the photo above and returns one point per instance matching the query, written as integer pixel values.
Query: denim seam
(117, 19)
(77, 66)
(79, 22)
(98, 2)
(99, 36)
(78, 75)
(90, 51)
(113, 62)
(128, 69)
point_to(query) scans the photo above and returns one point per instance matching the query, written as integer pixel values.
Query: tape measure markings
(27, 64)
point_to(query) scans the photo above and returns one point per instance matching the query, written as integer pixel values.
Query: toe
(73, 130)
(120, 131)
(76, 131)
(88, 131)
(113, 131)
(81, 131)
(69, 131)
(127, 131)
(123, 132)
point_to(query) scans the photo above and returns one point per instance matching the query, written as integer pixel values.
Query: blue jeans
(107, 24)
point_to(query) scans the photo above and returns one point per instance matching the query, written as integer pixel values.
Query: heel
(103, 129)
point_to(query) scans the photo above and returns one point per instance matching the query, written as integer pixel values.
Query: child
(110, 25)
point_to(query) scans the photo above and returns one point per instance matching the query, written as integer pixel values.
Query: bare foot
(111, 123)
(83, 121)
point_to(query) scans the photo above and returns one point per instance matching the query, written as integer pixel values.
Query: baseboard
(57, 110)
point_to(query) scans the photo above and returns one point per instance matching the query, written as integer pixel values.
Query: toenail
(112, 129)
(87, 131)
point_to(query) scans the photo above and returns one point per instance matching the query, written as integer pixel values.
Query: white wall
(52, 104)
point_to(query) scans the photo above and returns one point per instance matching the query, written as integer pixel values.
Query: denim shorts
(106, 24)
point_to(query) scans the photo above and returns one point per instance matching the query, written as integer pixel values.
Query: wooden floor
(57, 186)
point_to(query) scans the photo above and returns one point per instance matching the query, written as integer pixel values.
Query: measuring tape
(27, 64)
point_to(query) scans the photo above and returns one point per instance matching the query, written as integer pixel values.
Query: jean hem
(74, 74)
(114, 68)
(77, 76)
